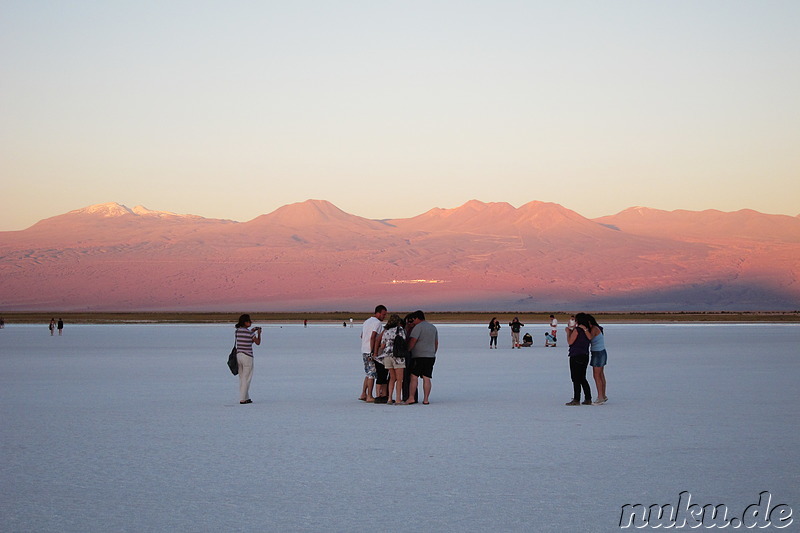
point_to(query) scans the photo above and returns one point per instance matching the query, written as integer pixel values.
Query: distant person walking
(52, 326)
(60, 326)
(494, 329)
(578, 340)
(245, 337)
(371, 332)
(424, 344)
(598, 360)
(515, 326)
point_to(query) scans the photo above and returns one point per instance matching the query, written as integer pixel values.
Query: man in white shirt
(370, 342)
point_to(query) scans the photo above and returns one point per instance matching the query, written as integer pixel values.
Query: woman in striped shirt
(245, 337)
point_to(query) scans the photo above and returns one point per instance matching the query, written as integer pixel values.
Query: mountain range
(477, 257)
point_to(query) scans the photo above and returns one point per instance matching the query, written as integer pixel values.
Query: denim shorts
(599, 358)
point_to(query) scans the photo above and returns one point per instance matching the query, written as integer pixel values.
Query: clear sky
(390, 108)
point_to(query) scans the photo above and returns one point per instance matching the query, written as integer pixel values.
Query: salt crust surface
(137, 428)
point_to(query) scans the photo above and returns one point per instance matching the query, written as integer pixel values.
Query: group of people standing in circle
(394, 373)
(586, 347)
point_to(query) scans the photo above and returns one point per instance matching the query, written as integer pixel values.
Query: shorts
(422, 366)
(369, 365)
(599, 358)
(381, 374)
(392, 362)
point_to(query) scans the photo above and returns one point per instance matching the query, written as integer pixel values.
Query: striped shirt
(244, 341)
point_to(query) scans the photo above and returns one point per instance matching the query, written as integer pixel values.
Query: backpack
(400, 346)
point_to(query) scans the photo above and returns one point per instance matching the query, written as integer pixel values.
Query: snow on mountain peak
(144, 212)
(111, 209)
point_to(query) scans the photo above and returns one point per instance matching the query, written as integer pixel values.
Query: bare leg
(600, 381)
(392, 381)
(366, 390)
(412, 389)
(426, 390)
(398, 384)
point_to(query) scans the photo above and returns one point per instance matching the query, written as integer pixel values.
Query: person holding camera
(579, 339)
(515, 326)
(245, 337)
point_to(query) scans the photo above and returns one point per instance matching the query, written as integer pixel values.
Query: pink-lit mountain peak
(308, 213)
(501, 218)
(314, 216)
(707, 224)
(108, 210)
(474, 216)
(117, 210)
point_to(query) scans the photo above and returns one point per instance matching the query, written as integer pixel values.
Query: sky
(389, 108)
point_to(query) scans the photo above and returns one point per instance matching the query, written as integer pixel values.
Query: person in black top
(515, 326)
(579, 338)
(494, 328)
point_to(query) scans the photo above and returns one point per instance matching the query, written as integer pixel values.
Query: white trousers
(245, 375)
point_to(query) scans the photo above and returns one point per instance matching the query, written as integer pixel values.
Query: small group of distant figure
(586, 347)
(516, 326)
(56, 325)
(396, 356)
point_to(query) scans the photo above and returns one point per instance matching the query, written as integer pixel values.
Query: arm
(257, 337)
(411, 343)
(374, 343)
(572, 334)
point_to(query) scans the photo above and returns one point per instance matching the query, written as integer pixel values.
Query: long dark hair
(492, 321)
(593, 322)
(242, 320)
(582, 319)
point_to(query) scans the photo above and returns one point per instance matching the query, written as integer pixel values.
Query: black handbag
(233, 363)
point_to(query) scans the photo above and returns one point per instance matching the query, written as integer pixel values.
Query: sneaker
(600, 401)
(573, 402)
(587, 402)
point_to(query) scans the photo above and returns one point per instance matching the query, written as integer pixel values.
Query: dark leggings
(577, 370)
(492, 340)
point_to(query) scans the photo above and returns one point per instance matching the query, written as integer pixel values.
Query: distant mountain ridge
(480, 256)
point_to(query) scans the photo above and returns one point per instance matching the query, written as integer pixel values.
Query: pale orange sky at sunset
(388, 109)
